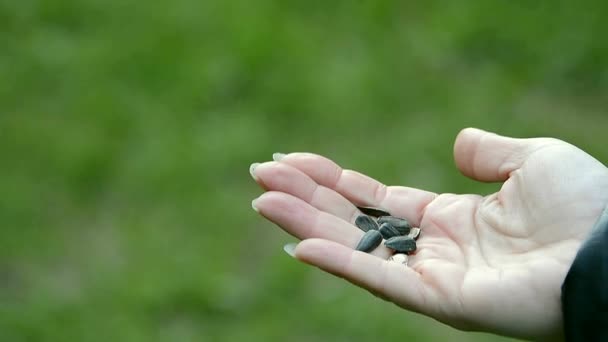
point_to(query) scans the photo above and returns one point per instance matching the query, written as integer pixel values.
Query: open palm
(490, 263)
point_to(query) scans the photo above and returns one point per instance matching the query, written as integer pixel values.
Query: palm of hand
(497, 262)
(491, 263)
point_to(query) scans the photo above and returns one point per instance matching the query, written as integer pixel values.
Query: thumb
(489, 157)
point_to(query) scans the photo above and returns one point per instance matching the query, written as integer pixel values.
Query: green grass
(127, 129)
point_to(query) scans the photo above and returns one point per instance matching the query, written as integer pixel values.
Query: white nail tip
(278, 156)
(290, 249)
(252, 169)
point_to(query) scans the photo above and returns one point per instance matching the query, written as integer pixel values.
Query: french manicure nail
(290, 249)
(278, 156)
(254, 206)
(252, 170)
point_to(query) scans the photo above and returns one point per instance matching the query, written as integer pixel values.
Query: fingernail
(278, 156)
(290, 249)
(252, 170)
(254, 206)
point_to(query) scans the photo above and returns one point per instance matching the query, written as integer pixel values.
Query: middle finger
(285, 178)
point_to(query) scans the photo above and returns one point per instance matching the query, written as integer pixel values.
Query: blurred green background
(127, 129)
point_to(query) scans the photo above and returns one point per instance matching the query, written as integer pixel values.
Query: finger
(286, 178)
(393, 281)
(361, 189)
(304, 221)
(489, 157)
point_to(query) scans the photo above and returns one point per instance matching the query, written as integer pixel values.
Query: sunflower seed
(401, 244)
(366, 223)
(375, 212)
(369, 241)
(414, 233)
(399, 258)
(388, 231)
(402, 225)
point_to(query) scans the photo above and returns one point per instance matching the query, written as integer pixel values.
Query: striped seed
(369, 241)
(402, 225)
(388, 231)
(401, 244)
(366, 223)
(375, 212)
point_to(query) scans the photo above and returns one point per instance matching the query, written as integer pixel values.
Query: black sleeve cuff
(585, 289)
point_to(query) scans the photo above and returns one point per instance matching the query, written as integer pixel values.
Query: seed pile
(378, 225)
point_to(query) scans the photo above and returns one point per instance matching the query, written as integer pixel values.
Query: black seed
(369, 241)
(388, 231)
(402, 225)
(375, 212)
(401, 244)
(366, 223)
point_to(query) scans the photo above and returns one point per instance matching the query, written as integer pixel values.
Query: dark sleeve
(585, 290)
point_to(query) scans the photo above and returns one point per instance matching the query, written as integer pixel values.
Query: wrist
(584, 292)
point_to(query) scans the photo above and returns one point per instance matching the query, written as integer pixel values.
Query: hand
(488, 263)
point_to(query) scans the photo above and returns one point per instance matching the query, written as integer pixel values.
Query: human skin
(491, 263)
